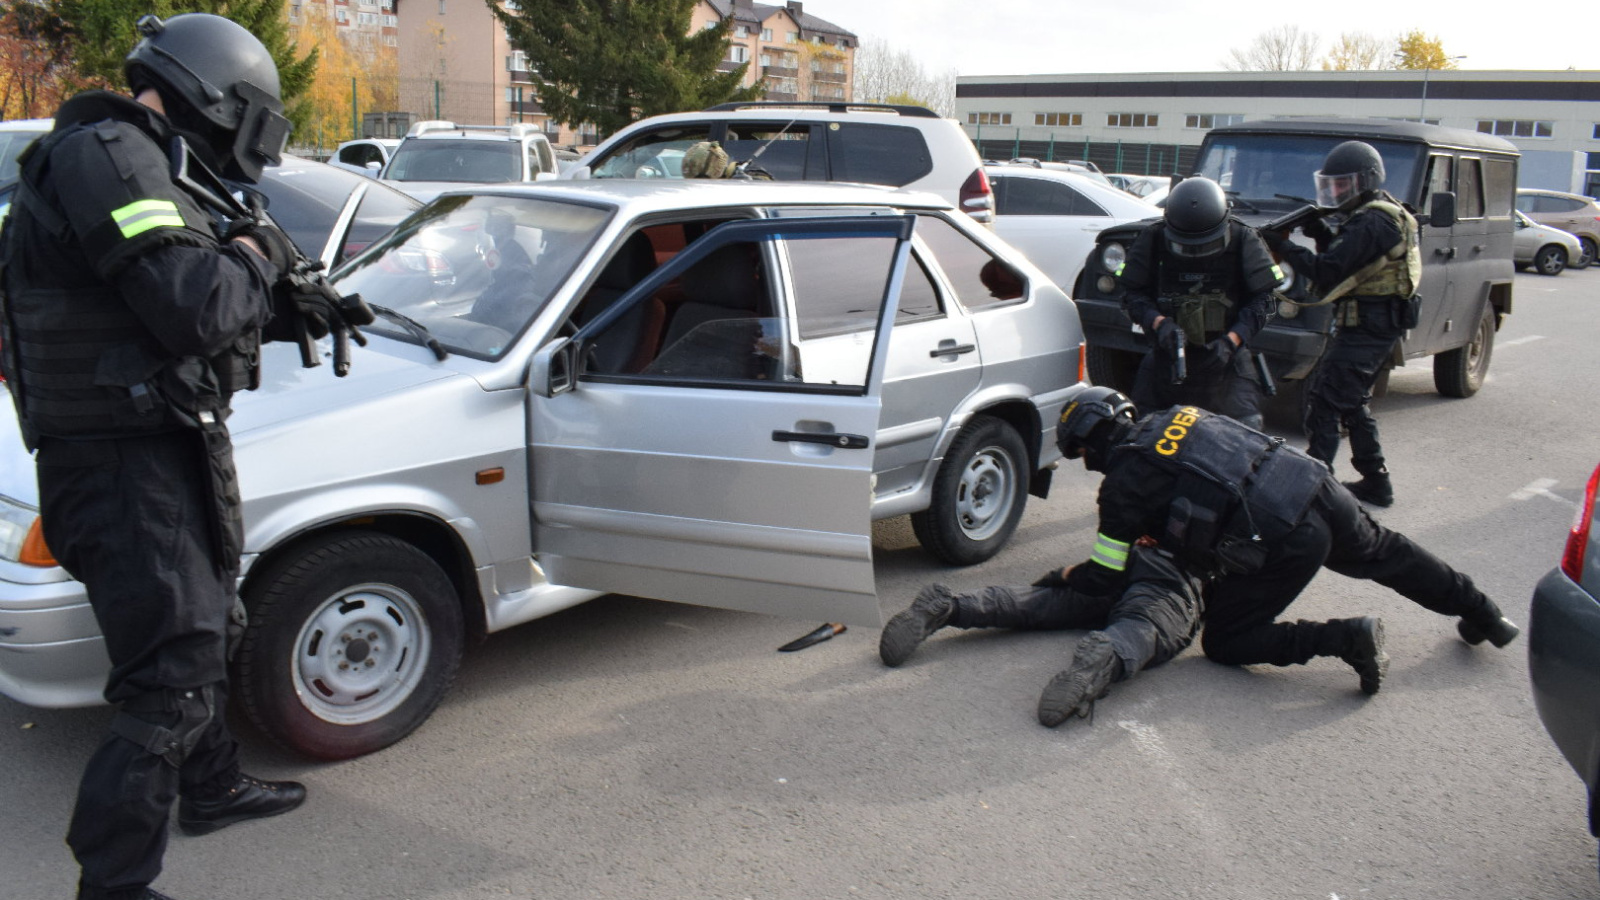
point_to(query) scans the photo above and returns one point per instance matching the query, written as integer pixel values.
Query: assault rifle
(191, 174)
(1298, 217)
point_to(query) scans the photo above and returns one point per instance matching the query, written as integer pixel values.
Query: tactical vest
(1396, 273)
(1237, 490)
(1198, 292)
(79, 361)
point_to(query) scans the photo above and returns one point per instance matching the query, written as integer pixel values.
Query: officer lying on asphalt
(1199, 283)
(1151, 620)
(131, 317)
(1260, 518)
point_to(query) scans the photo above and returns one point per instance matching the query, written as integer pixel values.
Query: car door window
(1439, 172)
(654, 154)
(878, 154)
(839, 284)
(1043, 197)
(1469, 188)
(1499, 187)
(784, 148)
(978, 277)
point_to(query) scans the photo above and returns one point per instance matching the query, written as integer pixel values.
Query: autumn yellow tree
(344, 85)
(1358, 50)
(1420, 51)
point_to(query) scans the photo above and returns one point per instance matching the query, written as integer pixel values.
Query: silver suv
(437, 155)
(695, 392)
(907, 147)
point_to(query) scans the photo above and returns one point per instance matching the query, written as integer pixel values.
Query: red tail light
(1578, 539)
(977, 197)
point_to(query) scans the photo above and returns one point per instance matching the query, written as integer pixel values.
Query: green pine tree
(612, 62)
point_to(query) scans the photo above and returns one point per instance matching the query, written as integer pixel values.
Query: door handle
(951, 348)
(1446, 252)
(1479, 248)
(829, 438)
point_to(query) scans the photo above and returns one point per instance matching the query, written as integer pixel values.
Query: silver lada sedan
(699, 392)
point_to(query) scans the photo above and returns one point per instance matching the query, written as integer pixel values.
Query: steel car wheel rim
(984, 497)
(361, 655)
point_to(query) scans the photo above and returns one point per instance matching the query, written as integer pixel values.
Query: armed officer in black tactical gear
(1371, 268)
(1259, 517)
(1199, 283)
(1151, 620)
(130, 319)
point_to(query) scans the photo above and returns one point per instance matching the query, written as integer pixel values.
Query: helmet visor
(1203, 248)
(1334, 191)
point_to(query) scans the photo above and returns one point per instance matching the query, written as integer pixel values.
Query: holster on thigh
(167, 723)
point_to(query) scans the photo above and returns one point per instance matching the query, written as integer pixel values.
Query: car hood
(288, 392)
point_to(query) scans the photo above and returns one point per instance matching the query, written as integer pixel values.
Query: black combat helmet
(218, 82)
(1093, 421)
(1197, 218)
(1348, 173)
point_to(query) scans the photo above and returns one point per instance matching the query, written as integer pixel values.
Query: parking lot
(628, 748)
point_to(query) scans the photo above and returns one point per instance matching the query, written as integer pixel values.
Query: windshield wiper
(1240, 201)
(417, 329)
(1296, 199)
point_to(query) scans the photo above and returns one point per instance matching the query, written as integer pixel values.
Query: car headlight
(21, 536)
(1112, 256)
(1288, 277)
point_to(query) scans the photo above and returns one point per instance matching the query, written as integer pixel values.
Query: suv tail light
(977, 197)
(1578, 539)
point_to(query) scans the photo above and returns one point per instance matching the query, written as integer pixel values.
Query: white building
(1154, 122)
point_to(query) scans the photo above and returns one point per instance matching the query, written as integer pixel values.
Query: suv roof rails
(428, 126)
(838, 107)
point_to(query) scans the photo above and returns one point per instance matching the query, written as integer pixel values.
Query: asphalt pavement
(634, 749)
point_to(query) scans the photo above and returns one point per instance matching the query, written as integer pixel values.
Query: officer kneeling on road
(1151, 620)
(1199, 283)
(1262, 518)
(1371, 268)
(130, 318)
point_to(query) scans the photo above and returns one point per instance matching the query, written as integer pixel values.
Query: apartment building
(1552, 116)
(796, 55)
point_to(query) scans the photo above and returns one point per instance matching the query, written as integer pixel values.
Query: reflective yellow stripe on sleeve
(1110, 553)
(142, 215)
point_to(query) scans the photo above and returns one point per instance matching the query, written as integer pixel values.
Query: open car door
(721, 472)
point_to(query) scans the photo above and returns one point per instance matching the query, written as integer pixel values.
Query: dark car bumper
(1564, 667)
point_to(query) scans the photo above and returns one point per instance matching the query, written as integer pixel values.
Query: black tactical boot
(1374, 489)
(1364, 651)
(1494, 628)
(912, 625)
(248, 798)
(153, 894)
(1073, 692)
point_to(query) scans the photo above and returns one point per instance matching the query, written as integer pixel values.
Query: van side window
(878, 154)
(785, 148)
(1499, 187)
(980, 280)
(1439, 169)
(1469, 189)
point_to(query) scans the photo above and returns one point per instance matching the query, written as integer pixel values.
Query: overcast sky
(1027, 37)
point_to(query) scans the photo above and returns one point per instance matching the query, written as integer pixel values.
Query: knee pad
(167, 724)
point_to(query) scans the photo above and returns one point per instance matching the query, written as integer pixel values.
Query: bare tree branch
(1282, 49)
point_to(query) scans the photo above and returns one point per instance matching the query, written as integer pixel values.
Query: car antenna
(739, 171)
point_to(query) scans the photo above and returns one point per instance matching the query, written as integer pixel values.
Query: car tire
(978, 494)
(1587, 259)
(1461, 372)
(353, 640)
(1112, 368)
(1550, 260)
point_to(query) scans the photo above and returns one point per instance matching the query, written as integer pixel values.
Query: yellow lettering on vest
(1166, 448)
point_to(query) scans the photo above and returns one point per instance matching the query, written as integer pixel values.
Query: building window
(1058, 120)
(342, 16)
(989, 118)
(766, 60)
(741, 31)
(843, 44)
(1132, 120)
(517, 61)
(441, 7)
(766, 34)
(1517, 128)
(1211, 120)
(738, 53)
(794, 37)
(1597, 131)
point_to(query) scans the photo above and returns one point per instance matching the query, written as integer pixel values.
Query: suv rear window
(442, 159)
(878, 154)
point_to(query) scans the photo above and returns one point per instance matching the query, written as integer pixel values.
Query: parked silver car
(699, 392)
(1546, 250)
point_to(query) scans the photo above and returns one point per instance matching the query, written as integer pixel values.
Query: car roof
(1546, 192)
(636, 197)
(1389, 129)
(27, 125)
(1088, 184)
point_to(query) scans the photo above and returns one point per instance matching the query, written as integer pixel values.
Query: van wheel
(1587, 258)
(1112, 368)
(978, 494)
(1460, 372)
(353, 640)
(1550, 260)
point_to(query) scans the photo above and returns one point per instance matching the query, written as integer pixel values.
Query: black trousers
(1152, 621)
(1337, 533)
(1340, 390)
(133, 519)
(1230, 388)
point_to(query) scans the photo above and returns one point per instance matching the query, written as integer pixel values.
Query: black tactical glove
(274, 244)
(1275, 240)
(1318, 231)
(1221, 351)
(312, 302)
(1168, 337)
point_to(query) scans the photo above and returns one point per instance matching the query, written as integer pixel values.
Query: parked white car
(700, 392)
(1053, 216)
(437, 156)
(364, 156)
(1541, 248)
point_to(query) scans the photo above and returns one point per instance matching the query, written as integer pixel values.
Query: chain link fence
(1110, 156)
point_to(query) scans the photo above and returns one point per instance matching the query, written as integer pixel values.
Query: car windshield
(305, 200)
(450, 159)
(473, 270)
(1258, 167)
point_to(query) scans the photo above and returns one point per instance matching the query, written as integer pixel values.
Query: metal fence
(1110, 156)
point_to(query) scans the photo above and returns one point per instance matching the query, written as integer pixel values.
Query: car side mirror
(1442, 209)
(545, 176)
(554, 369)
(579, 173)
(374, 165)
